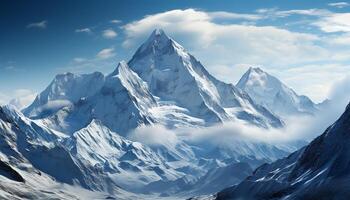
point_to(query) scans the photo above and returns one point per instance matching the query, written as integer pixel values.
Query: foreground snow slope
(270, 92)
(321, 170)
(100, 160)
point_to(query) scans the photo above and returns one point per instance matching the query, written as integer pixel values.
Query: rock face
(162, 83)
(319, 171)
(270, 92)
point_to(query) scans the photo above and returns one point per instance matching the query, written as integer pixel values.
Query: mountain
(321, 170)
(270, 92)
(172, 74)
(71, 102)
(161, 84)
(34, 166)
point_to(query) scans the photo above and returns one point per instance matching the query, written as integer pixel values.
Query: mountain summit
(270, 92)
(172, 74)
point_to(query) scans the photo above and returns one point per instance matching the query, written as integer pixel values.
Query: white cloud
(115, 21)
(3, 99)
(221, 47)
(106, 53)
(109, 34)
(275, 13)
(79, 60)
(230, 15)
(336, 22)
(83, 30)
(41, 25)
(227, 42)
(20, 98)
(339, 4)
(154, 136)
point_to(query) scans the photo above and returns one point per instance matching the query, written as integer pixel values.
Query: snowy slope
(122, 103)
(65, 89)
(320, 170)
(270, 92)
(118, 161)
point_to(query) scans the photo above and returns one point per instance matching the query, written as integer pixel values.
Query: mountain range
(73, 141)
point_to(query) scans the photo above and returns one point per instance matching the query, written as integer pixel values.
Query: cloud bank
(227, 48)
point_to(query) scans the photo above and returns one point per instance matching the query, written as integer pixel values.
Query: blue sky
(304, 43)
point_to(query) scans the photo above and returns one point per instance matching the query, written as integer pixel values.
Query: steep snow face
(64, 90)
(270, 92)
(115, 161)
(33, 164)
(32, 147)
(122, 103)
(174, 75)
(321, 169)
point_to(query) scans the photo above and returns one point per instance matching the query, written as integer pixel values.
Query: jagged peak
(158, 40)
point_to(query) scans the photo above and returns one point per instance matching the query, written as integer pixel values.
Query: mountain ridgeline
(149, 89)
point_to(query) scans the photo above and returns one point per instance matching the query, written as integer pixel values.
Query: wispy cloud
(231, 15)
(19, 98)
(115, 21)
(106, 53)
(40, 25)
(109, 34)
(339, 4)
(83, 30)
(266, 13)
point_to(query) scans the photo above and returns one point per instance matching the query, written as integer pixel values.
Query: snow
(270, 92)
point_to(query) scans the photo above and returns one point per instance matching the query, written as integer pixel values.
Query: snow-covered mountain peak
(158, 40)
(270, 92)
(64, 90)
